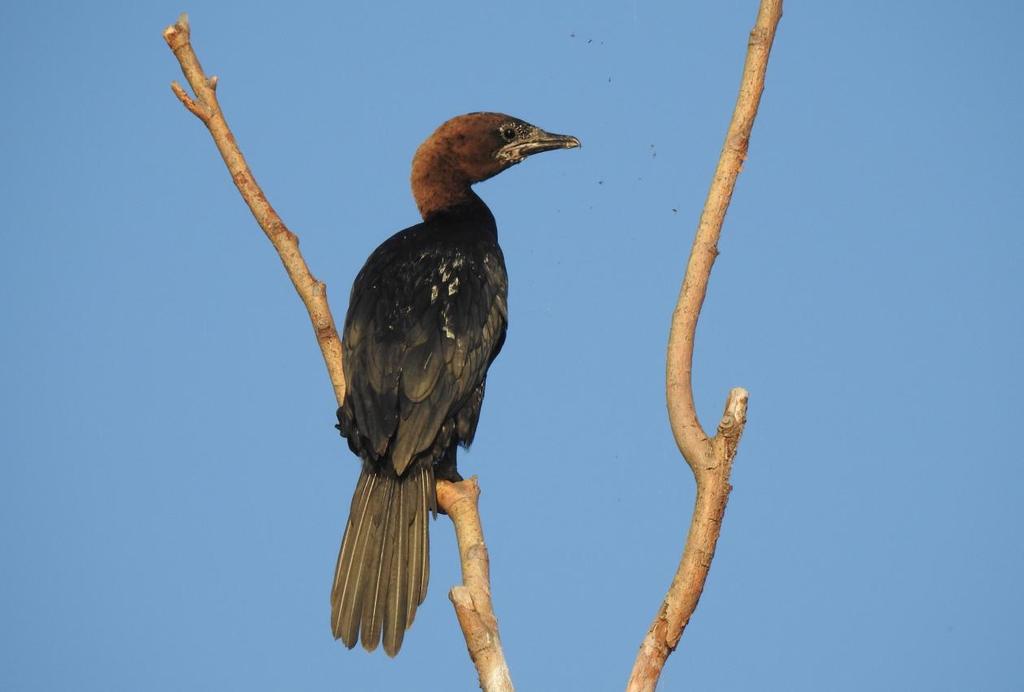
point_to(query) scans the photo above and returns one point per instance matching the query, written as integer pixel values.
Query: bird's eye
(508, 132)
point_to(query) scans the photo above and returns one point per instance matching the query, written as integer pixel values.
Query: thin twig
(472, 600)
(710, 459)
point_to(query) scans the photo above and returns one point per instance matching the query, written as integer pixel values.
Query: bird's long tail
(384, 562)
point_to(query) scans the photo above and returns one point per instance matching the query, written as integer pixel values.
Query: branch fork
(710, 459)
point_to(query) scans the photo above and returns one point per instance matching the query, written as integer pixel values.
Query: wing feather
(426, 318)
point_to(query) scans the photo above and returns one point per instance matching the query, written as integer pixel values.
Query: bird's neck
(438, 185)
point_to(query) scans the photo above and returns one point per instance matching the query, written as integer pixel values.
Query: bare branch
(472, 600)
(709, 459)
(206, 107)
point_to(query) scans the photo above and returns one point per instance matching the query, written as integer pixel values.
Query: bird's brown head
(470, 148)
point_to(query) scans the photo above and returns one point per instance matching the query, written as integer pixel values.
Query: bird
(427, 315)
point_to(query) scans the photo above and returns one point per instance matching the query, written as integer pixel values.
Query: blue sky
(172, 492)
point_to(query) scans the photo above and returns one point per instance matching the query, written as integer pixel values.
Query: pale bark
(710, 459)
(204, 105)
(472, 600)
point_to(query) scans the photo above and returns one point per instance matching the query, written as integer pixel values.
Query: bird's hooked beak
(534, 142)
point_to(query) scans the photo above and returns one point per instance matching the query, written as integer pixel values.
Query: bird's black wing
(427, 316)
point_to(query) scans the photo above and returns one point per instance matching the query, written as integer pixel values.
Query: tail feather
(346, 596)
(383, 564)
(395, 609)
(419, 553)
(376, 583)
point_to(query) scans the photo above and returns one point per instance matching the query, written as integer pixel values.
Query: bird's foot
(447, 472)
